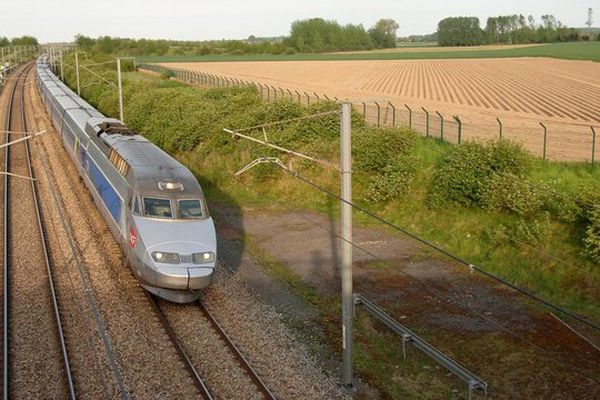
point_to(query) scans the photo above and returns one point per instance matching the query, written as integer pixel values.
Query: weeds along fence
(578, 144)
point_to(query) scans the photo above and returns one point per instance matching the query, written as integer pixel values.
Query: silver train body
(152, 204)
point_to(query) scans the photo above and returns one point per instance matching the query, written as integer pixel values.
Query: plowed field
(564, 95)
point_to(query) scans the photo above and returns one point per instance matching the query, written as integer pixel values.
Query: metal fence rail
(473, 381)
(580, 146)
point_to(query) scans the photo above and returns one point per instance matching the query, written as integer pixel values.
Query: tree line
(509, 29)
(318, 35)
(18, 41)
(306, 36)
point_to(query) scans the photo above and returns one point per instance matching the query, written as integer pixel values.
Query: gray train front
(152, 204)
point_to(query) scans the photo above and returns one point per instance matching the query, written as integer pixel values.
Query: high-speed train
(152, 204)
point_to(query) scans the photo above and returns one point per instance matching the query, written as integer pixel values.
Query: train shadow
(228, 217)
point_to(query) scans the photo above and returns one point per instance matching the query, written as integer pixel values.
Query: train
(153, 205)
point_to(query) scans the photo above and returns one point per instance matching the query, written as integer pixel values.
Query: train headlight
(203, 258)
(164, 257)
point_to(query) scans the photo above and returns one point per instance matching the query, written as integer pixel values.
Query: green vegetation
(307, 36)
(569, 51)
(535, 223)
(317, 35)
(18, 41)
(529, 221)
(513, 29)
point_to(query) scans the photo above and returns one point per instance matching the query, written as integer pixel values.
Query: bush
(468, 170)
(510, 193)
(522, 231)
(374, 149)
(592, 236)
(395, 180)
(167, 74)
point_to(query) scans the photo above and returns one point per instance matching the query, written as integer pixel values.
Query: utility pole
(590, 21)
(120, 90)
(346, 222)
(62, 68)
(77, 72)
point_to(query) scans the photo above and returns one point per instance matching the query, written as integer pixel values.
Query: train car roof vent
(111, 128)
(170, 186)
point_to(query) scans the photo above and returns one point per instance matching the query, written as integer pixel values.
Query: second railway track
(236, 370)
(35, 359)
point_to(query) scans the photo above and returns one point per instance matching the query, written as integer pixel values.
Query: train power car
(152, 204)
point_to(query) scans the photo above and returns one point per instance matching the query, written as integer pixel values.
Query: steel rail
(187, 361)
(34, 190)
(262, 387)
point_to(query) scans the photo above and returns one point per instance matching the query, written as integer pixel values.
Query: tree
(383, 33)
(387, 26)
(319, 35)
(590, 20)
(24, 41)
(460, 31)
(84, 42)
(4, 41)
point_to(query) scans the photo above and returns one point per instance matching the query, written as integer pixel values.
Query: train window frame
(135, 205)
(202, 207)
(144, 214)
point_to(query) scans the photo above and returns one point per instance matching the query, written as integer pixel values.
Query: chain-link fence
(559, 141)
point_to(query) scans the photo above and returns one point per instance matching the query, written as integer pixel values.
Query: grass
(569, 51)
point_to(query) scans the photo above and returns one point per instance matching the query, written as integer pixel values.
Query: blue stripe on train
(105, 190)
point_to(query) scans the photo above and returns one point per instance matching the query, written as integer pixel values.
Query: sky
(61, 20)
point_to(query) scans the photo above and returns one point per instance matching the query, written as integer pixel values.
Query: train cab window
(190, 209)
(157, 207)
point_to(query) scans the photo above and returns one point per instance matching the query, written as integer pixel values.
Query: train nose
(186, 266)
(184, 278)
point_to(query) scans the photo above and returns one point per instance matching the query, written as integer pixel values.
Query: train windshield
(157, 208)
(190, 209)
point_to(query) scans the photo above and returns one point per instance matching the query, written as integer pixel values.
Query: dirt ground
(518, 347)
(522, 92)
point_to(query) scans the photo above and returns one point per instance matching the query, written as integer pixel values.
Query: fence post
(378, 114)
(291, 95)
(268, 92)
(393, 113)
(409, 116)
(307, 99)
(326, 97)
(364, 111)
(317, 96)
(261, 90)
(593, 145)
(545, 139)
(500, 124)
(299, 96)
(457, 119)
(441, 125)
(426, 121)
(274, 93)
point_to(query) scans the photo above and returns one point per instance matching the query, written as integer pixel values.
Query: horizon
(264, 18)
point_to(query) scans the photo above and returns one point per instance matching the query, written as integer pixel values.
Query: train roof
(147, 163)
(150, 165)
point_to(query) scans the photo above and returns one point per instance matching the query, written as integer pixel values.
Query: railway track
(28, 316)
(202, 384)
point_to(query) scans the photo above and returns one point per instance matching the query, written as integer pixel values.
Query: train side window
(135, 205)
